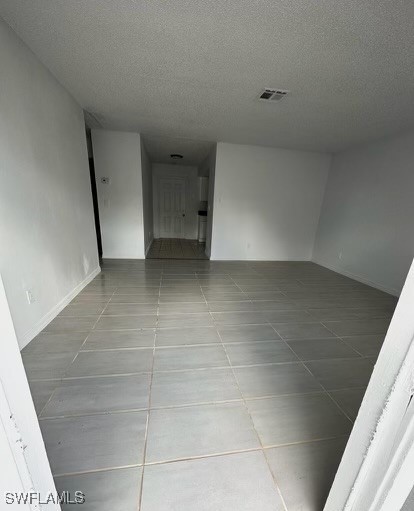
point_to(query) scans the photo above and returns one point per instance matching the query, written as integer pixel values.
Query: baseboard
(124, 258)
(261, 259)
(359, 278)
(47, 318)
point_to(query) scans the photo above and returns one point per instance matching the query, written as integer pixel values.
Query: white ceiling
(192, 69)
(194, 152)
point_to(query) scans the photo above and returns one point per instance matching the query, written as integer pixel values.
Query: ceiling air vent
(273, 94)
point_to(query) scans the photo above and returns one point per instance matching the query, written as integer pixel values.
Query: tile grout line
(73, 360)
(328, 395)
(328, 392)
(141, 486)
(351, 347)
(240, 451)
(325, 391)
(313, 376)
(198, 457)
(253, 425)
(97, 470)
(206, 368)
(195, 404)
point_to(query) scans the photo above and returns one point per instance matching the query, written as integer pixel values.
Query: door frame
(159, 188)
(25, 466)
(376, 470)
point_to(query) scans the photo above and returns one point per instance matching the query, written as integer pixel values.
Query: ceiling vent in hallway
(273, 94)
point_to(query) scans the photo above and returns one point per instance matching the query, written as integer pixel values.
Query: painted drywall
(266, 202)
(190, 173)
(18, 417)
(208, 168)
(117, 157)
(47, 231)
(366, 225)
(147, 197)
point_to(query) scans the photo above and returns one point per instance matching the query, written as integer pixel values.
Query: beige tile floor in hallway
(208, 386)
(177, 249)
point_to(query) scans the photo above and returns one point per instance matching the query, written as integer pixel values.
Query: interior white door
(172, 208)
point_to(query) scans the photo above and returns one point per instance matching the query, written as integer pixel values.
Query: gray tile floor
(180, 385)
(177, 249)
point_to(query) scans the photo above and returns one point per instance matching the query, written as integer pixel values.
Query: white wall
(147, 197)
(266, 202)
(190, 173)
(368, 213)
(117, 156)
(47, 232)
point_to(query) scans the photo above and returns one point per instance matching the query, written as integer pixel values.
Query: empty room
(207, 237)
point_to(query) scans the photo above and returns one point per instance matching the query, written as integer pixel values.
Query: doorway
(94, 192)
(178, 183)
(172, 208)
(172, 223)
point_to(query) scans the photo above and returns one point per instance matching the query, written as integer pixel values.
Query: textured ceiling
(194, 152)
(193, 68)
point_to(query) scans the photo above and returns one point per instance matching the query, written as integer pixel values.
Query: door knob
(183, 214)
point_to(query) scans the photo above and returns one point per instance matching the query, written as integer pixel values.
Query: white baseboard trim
(261, 259)
(131, 257)
(359, 278)
(47, 318)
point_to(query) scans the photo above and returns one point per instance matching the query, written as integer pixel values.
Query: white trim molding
(24, 466)
(381, 484)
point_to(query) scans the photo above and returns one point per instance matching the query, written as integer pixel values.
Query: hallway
(198, 385)
(177, 249)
